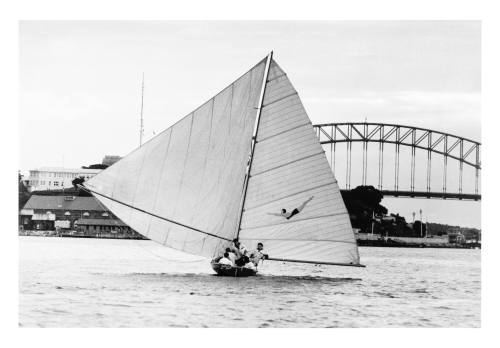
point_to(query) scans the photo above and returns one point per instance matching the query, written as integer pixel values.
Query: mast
(254, 139)
(141, 130)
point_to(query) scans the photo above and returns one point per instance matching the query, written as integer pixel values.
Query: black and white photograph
(235, 174)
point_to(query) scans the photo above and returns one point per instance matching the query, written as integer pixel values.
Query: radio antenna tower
(141, 131)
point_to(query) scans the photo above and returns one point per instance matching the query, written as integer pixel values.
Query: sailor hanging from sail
(257, 254)
(287, 215)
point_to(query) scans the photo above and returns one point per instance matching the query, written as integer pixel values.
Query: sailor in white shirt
(257, 254)
(232, 256)
(238, 248)
(225, 260)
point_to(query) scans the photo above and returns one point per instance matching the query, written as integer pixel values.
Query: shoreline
(384, 243)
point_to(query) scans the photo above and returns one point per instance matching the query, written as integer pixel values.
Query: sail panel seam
(179, 189)
(279, 99)
(302, 240)
(290, 195)
(276, 77)
(294, 221)
(287, 163)
(283, 132)
(164, 159)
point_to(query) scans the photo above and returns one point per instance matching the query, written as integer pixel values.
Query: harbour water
(70, 282)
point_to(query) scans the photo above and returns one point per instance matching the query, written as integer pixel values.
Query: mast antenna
(141, 131)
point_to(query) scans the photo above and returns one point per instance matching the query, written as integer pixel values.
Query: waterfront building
(456, 237)
(56, 178)
(70, 215)
(104, 227)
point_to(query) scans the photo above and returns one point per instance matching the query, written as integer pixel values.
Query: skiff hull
(230, 271)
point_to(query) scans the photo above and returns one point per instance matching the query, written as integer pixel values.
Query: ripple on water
(136, 290)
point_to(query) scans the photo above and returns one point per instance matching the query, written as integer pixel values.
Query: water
(66, 282)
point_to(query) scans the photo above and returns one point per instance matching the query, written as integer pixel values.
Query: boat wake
(260, 278)
(308, 279)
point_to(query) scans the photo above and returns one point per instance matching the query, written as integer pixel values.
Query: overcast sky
(80, 82)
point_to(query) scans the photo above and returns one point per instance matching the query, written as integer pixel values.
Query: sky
(80, 82)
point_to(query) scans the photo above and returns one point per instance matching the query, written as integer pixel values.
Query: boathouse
(71, 215)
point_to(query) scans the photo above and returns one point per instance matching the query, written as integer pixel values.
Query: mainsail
(218, 172)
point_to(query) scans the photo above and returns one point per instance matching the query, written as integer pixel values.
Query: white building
(55, 178)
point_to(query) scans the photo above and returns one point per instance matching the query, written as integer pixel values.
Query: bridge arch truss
(465, 151)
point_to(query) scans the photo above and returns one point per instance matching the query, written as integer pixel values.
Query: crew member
(295, 211)
(232, 256)
(238, 249)
(257, 254)
(249, 264)
(242, 261)
(225, 260)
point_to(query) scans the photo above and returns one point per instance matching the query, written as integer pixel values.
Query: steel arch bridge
(465, 152)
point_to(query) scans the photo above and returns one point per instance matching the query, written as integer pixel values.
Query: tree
(96, 166)
(78, 181)
(416, 229)
(361, 203)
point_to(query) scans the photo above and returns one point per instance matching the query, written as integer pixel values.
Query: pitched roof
(67, 170)
(100, 222)
(59, 203)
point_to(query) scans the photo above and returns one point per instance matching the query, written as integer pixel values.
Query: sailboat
(227, 170)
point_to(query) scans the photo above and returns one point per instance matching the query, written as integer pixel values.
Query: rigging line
(105, 209)
(152, 214)
(303, 240)
(138, 244)
(317, 262)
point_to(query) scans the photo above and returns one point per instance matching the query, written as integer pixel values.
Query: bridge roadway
(423, 194)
